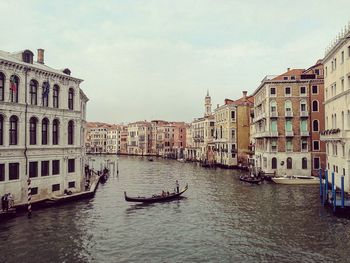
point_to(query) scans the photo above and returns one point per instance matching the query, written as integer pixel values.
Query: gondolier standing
(177, 187)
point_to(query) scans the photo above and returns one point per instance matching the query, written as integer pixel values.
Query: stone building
(112, 141)
(288, 116)
(202, 133)
(42, 127)
(337, 107)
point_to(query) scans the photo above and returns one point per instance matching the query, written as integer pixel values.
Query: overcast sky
(143, 60)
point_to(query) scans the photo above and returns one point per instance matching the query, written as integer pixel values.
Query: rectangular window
(274, 146)
(303, 126)
(302, 90)
(34, 191)
(33, 169)
(317, 163)
(288, 91)
(45, 166)
(289, 145)
(71, 184)
(316, 145)
(292, 77)
(13, 171)
(71, 165)
(55, 167)
(55, 187)
(285, 78)
(314, 89)
(304, 145)
(317, 71)
(272, 91)
(273, 125)
(233, 134)
(233, 115)
(2, 172)
(289, 126)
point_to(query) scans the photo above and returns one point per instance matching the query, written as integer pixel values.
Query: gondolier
(177, 186)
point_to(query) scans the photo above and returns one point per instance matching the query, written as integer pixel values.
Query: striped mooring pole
(29, 198)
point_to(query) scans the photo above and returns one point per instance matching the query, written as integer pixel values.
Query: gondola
(249, 179)
(150, 159)
(156, 198)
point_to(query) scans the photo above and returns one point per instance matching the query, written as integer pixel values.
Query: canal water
(220, 220)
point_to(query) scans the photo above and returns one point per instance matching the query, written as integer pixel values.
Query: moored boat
(156, 198)
(150, 159)
(299, 179)
(250, 179)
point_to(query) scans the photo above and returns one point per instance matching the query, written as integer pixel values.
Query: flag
(13, 84)
(46, 88)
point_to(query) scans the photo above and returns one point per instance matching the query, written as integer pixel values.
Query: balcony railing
(273, 114)
(289, 133)
(304, 114)
(304, 133)
(333, 135)
(289, 114)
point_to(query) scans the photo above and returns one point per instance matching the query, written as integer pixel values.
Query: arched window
(55, 97)
(14, 86)
(274, 163)
(33, 90)
(1, 130)
(315, 105)
(289, 163)
(273, 106)
(32, 130)
(288, 107)
(303, 107)
(70, 132)
(55, 131)
(13, 130)
(44, 131)
(45, 93)
(2, 87)
(304, 163)
(315, 126)
(71, 99)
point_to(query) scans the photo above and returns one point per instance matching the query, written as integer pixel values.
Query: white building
(113, 137)
(337, 107)
(42, 126)
(225, 135)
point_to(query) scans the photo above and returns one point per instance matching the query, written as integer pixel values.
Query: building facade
(288, 118)
(42, 127)
(336, 134)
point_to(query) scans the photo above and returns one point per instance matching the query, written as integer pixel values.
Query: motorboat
(250, 179)
(296, 179)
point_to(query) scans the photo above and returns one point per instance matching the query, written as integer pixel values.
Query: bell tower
(207, 105)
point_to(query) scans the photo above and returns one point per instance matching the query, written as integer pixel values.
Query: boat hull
(155, 199)
(296, 181)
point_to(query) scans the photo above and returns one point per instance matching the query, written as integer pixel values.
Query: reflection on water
(220, 219)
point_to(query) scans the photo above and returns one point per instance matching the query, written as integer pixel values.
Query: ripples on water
(220, 219)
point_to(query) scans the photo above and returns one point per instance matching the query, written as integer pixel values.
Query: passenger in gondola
(177, 186)
(167, 193)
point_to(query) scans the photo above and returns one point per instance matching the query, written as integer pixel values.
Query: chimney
(288, 69)
(41, 56)
(245, 95)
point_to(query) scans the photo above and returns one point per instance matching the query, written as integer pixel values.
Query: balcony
(335, 135)
(259, 116)
(266, 134)
(273, 114)
(304, 114)
(289, 114)
(289, 133)
(273, 134)
(304, 133)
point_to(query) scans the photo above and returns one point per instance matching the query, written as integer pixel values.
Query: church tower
(207, 105)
